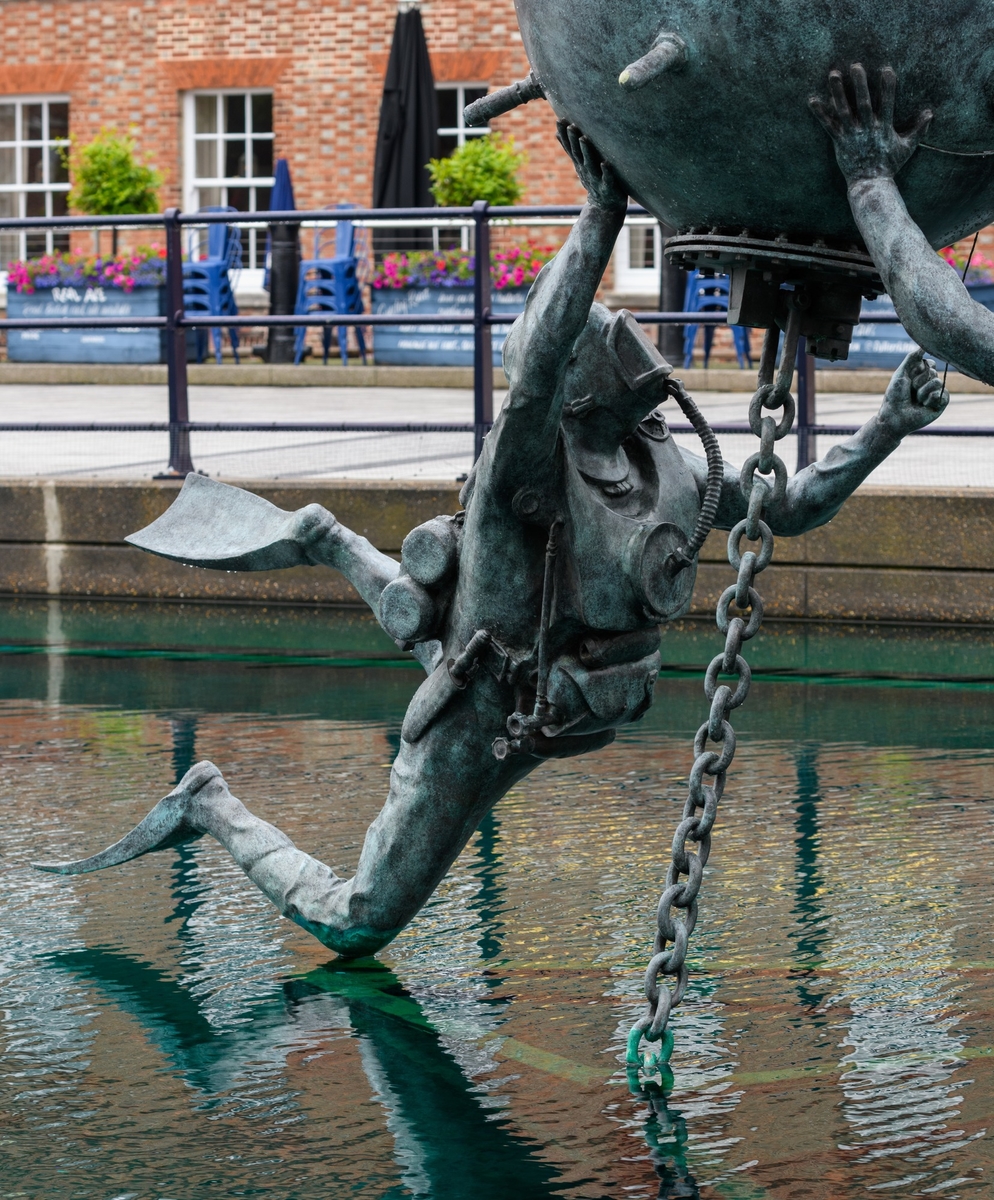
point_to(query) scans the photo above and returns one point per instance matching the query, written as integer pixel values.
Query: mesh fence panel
(232, 455)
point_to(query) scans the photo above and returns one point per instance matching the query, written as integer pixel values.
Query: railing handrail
(482, 319)
(293, 216)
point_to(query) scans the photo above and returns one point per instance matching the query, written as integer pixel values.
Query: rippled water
(166, 1034)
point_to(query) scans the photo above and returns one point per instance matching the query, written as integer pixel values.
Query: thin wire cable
(969, 260)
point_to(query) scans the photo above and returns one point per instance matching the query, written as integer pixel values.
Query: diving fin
(212, 524)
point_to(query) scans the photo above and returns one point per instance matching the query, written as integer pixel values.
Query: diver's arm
(541, 341)
(914, 398)
(930, 298)
(934, 306)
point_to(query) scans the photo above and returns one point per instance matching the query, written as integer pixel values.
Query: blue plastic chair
(330, 283)
(709, 293)
(207, 286)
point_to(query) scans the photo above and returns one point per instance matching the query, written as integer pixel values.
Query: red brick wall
(125, 62)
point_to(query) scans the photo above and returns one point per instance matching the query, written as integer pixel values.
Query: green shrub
(107, 178)
(485, 168)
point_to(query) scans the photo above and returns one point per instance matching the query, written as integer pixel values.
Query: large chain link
(763, 481)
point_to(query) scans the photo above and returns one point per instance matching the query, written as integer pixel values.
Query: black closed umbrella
(284, 249)
(408, 133)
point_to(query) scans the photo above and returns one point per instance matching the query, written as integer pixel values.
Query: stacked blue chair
(331, 284)
(709, 293)
(207, 286)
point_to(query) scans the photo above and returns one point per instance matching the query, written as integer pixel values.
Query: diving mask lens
(637, 359)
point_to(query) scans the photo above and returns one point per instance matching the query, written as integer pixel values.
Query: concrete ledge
(892, 554)
(247, 374)
(98, 512)
(256, 374)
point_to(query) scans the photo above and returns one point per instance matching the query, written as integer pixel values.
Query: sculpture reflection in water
(446, 1142)
(535, 610)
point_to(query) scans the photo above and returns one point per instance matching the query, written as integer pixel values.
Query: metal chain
(680, 895)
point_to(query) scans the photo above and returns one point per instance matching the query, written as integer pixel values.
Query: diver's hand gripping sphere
(603, 189)
(867, 146)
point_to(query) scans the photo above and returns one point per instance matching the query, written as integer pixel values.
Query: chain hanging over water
(763, 481)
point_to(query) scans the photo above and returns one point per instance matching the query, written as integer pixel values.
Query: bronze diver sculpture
(535, 610)
(930, 298)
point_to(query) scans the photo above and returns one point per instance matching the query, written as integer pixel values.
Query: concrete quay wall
(893, 554)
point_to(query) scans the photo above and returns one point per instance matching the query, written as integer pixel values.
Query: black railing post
(180, 462)
(483, 356)
(806, 416)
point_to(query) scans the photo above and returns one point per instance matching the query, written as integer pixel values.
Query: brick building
(213, 92)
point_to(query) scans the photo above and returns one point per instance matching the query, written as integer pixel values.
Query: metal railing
(480, 216)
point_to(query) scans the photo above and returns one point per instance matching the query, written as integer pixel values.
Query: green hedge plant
(108, 178)
(485, 168)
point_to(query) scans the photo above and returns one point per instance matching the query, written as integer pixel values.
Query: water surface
(166, 1034)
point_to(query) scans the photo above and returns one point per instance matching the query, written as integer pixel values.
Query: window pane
(262, 158)
(35, 204)
(58, 171)
(8, 123)
(447, 142)
(234, 160)
(8, 165)
(10, 249)
(34, 165)
(641, 248)
(8, 204)
(262, 114)
(36, 245)
(59, 205)
(239, 198)
(208, 197)
(262, 199)
(58, 120)
(234, 114)
(205, 159)
(60, 241)
(32, 122)
(447, 107)
(205, 114)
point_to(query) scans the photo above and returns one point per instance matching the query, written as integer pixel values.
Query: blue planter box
(122, 345)
(885, 346)
(438, 345)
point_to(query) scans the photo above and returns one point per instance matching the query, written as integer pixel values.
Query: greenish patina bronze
(702, 105)
(535, 611)
(875, 162)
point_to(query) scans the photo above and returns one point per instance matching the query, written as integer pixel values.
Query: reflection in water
(900, 984)
(812, 936)
(489, 900)
(665, 1133)
(446, 1144)
(150, 1046)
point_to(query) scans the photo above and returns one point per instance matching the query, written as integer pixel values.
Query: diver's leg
(333, 544)
(440, 787)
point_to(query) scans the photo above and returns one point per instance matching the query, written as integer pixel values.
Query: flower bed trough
(68, 285)
(443, 284)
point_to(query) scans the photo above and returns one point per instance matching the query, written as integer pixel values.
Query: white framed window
(228, 157)
(637, 256)
(452, 130)
(34, 178)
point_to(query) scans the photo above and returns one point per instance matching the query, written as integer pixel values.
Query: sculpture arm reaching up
(930, 298)
(541, 341)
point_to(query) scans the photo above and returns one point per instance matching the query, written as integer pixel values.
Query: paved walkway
(932, 461)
